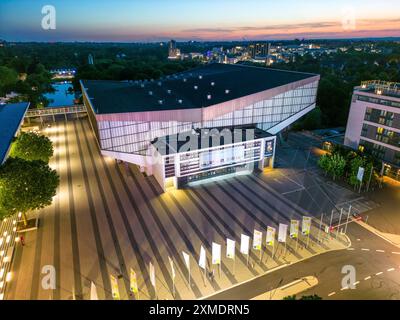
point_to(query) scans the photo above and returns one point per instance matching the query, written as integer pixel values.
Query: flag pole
(347, 222)
(320, 227)
(189, 278)
(330, 224)
(173, 287)
(340, 220)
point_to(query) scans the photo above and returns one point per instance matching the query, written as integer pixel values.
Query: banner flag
(114, 287)
(186, 257)
(306, 226)
(134, 284)
(202, 259)
(271, 236)
(171, 263)
(93, 292)
(257, 240)
(230, 248)
(152, 274)
(244, 244)
(282, 232)
(294, 228)
(216, 253)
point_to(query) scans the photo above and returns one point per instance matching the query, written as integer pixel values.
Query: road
(377, 265)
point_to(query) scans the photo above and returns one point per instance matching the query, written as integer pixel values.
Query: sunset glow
(155, 20)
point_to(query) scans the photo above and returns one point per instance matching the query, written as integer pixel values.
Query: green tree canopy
(26, 185)
(334, 164)
(311, 297)
(8, 79)
(32, 146)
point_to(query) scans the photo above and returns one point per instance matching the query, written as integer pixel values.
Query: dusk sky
(157, 20)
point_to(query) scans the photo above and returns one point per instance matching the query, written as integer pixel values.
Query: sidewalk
(290, 289)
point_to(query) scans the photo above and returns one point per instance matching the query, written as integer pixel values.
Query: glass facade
(376, 150)
(134, 137)
(382, 117)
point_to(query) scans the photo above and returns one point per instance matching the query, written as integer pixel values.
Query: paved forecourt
(108, 219)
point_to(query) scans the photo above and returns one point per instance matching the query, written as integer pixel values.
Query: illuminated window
(361, 148)
(379, 130)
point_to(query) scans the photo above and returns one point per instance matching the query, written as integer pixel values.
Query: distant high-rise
(90, 59)
(173, 52)
(259, 49)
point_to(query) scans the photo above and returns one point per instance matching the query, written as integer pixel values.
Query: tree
(334, 164)
(26, 185)
(8, 79)
(323, 163)
(32, 146)
(354, 165)
(337, 164)
(312, 297)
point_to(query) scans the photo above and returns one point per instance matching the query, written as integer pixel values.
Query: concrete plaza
(108, 218)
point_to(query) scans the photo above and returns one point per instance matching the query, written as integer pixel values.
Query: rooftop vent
(159, 83)
(160, 102)
(184, 79)
(209, 97)
(169, 91)
(200, 77)
(150, 93)
(227, 91)
(212, 84)
(142, 85)
(180, 101)
(196, 87)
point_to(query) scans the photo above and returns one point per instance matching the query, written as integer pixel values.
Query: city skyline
(139, 21)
